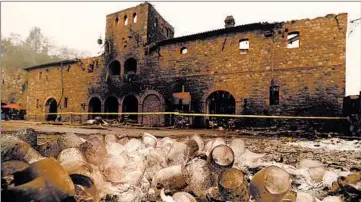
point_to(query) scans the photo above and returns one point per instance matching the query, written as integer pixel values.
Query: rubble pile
(116, 168)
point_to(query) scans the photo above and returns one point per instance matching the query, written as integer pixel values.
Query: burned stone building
(281, 68)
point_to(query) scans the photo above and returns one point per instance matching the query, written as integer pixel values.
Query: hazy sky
(78, 25)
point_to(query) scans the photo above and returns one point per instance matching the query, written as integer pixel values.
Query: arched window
(183, 50)
(156, 23)
(114, 68)
(116, 20)
(130, 65)
(125, 20)
(134, 18)
(243, 46)
(293, 40)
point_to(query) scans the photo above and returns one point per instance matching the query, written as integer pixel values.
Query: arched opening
(221, 102)
(51, 106)
(183, 50)
(134, 18)
(125, 20)
(111, 106)
(130, 104)
(94, 107)
(130, 65)
(114, 67)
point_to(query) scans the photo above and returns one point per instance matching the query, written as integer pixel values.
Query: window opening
(243, 46)
(293, 40)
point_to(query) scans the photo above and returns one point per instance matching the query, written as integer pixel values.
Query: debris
(270, 184)
(233, 186)
(93, 150)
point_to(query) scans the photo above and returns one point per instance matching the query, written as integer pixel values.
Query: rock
(93, 151)
(233, 186)
(69, 140)
(199, 177)
(28, 135)
(270, 184)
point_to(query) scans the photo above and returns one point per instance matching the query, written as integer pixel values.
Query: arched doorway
(94, 107)
(111, 106)
(51, 106)
(130, 65)
(221, 102)
(130, 104)
(152, 103)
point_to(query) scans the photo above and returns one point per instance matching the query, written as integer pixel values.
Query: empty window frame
(37, 103)
(243, 46)
(66, 102)
(125, 20)
(274, 95)
(134, 18)
(293, 40)
(183, 50)
(156, 23)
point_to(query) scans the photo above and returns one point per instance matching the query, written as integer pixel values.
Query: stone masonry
(143, 65)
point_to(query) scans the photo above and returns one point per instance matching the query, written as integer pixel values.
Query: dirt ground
(335, 152)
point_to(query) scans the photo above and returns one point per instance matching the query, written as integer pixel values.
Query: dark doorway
(114, 68)
(130, 65)
(94, 107)
(221, 102)
(130, 104)
(111, 106)
(51, 106)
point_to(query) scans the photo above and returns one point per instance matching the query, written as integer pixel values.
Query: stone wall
(311, 76)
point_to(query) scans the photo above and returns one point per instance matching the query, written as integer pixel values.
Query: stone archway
(51, 106)
(111, 106)
(152, 103)
(95, 106)
(130, 104)
(221, 102)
